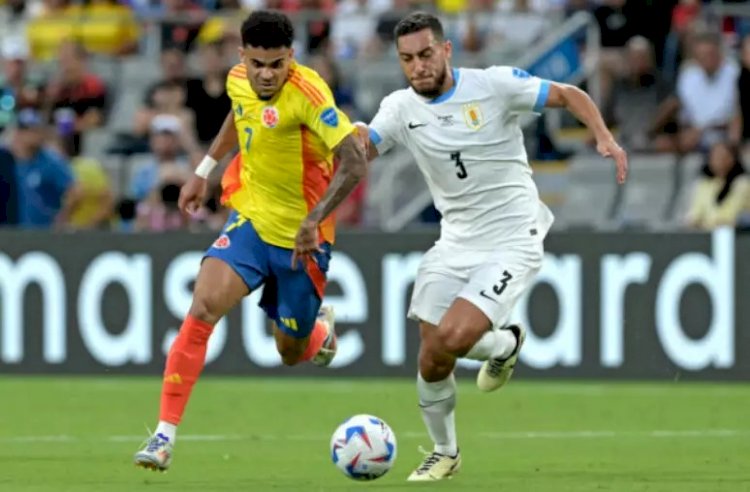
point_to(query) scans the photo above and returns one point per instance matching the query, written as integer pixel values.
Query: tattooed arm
(352, 168)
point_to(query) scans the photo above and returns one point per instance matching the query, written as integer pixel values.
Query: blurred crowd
(677, 83)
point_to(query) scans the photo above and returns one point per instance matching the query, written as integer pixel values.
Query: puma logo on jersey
(416, 125)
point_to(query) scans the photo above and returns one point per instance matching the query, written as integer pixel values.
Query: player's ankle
(450, 450)
(166, 430)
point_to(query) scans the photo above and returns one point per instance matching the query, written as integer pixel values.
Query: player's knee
(435, 370)
(455, 338)
(206, 307)
(434, 366)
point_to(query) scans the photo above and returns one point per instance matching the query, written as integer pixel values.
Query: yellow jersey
(102, 29)
(286, 153)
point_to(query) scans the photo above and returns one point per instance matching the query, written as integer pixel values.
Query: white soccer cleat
(436, 467)
(328, 351)
(495, 373)
(156, 454)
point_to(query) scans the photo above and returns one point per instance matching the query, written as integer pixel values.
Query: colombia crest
(270, 117)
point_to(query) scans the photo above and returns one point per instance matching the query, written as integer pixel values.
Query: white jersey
(469, 146)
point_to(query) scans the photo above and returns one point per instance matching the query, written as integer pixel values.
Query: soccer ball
(363, 447)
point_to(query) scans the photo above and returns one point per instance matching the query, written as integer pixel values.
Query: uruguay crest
(473, 116)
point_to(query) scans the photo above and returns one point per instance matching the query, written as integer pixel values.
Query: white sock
(167, 430)
(494, 344)
(437, 402)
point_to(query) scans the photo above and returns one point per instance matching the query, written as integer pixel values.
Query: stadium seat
(590, 197)
(649, 191)
(138, 73)
(123, 111)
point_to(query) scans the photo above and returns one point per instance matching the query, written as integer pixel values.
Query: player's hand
(306, 242)
(610, 148)
(192, 194)
(363, 135)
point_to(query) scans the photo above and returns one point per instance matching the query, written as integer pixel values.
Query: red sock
(184, 364)
(317, 337)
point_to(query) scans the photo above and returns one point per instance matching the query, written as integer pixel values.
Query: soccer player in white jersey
(462, 127)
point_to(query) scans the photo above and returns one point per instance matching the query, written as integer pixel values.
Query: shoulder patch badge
(330, 117)
(520, 73)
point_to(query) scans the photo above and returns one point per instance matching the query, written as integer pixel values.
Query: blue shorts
(290, 297)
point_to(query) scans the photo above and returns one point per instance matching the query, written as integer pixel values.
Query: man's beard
(435, 91)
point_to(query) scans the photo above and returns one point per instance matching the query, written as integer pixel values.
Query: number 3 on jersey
(460, 168)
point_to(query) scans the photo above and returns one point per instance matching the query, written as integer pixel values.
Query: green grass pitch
(241, 434)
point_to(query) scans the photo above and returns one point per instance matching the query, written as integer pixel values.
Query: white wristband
(206, 166)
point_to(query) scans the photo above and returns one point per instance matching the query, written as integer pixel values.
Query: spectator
(43, 177)
(317, 26)
(469, 30)
(174, 73)
(90, 200)
(722, 193)
(168, 100)
(8, 189)
(617, 22)
(636, 95)
(744, 89)
(18, 90)
(168, 160)
(223, 29)
(387, 22)
(107, 27)
(658, 28)
(182, 23)
(352, 29)
(541, 7)
(13, 19)
(342, 93)
(513, 30)
(574, 6)
(159, 212)
(209, 98)
(451, 7)
(684, 16)
(56, 22)
(173, 69)
(126, 215)
(76, 97)
(710, 77)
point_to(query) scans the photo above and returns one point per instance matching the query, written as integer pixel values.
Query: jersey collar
(449, 93)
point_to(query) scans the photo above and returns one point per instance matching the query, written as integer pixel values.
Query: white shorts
(491, 280)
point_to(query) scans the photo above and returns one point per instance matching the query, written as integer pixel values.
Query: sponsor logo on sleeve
(330, 117)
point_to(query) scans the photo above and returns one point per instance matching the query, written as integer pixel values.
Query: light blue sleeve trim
(541, 98)
(375, 136)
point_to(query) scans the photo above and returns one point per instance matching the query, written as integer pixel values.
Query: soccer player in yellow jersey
(282, 191)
